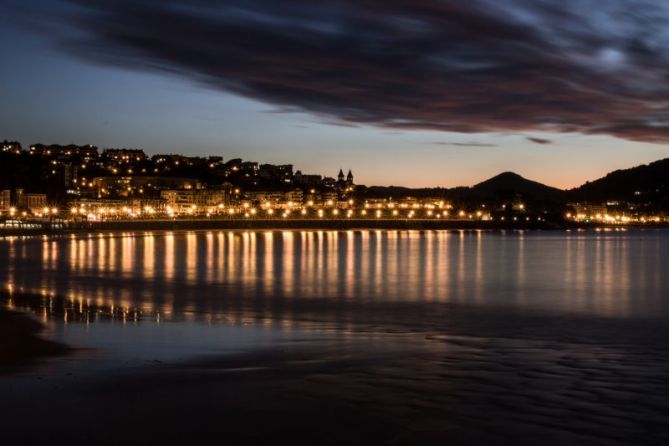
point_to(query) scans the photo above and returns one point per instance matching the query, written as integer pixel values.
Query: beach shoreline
(22, 345)
(403, 390)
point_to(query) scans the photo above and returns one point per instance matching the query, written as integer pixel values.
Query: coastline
(313, 224)
(22, 344)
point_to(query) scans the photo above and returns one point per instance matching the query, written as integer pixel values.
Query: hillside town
(47, 183)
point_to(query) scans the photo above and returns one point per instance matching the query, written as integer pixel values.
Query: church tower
(349, 178)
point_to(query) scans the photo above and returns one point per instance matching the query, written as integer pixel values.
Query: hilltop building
(11, 147)
(343, 181)
(307, 180)
(280, 173)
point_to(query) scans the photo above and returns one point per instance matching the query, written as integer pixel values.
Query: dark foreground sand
(395, 377)
(397, 389)
(20, 343)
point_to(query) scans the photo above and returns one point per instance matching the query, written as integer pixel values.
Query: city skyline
(54, 93)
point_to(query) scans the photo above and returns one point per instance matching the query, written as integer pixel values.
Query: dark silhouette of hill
(503, 188)
(646, 186)
(508, 185)
(648, 182)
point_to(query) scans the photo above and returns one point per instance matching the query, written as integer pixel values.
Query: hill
(648, 182)
(507, 185)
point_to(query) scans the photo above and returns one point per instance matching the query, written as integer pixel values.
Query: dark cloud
(582, 66)
(464, 144)
(539, 140)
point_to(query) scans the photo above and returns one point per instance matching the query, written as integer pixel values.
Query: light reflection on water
(568, 329)
(210, 275)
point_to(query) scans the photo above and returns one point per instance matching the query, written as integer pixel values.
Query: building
(345, 183)
(266, 197)
(123, 156)
(329, 182)
(249, 169)
(70, 176)
(295, 196)
(100, 209)
(307, 180)
(32, 202)
(193, 201)
(587, 211)
(329, 197)
(5, 200)
(139, 185)
(13, 147)
(281, 173)
(67, 153)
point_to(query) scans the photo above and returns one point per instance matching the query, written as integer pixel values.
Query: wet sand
(505, 352)
(390, 388)
(21, 344)
(398, 375)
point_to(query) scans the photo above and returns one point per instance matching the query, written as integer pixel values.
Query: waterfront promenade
(294, 223)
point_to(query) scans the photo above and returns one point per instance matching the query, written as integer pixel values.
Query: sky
(403, 92)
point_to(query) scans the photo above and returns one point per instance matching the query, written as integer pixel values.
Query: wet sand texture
(20, 343)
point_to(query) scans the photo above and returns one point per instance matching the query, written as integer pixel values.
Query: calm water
(199, 274)
(568, 329)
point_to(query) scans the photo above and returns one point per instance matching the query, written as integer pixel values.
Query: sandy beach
(498, 382)
(22, 344)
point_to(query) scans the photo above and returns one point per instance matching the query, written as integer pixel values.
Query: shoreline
(313, 224)
(397, 388)
(22, 344)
